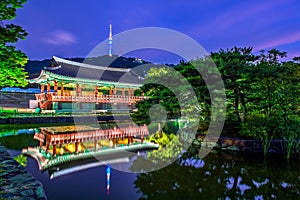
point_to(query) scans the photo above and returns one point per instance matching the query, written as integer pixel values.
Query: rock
(16, 183)
(226, 142)
(26, 198)
(21, 178)
(213, 151)
(27, 193)
(233, 148)
(40, 193)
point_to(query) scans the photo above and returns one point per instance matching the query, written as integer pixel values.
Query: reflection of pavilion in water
(63, 145)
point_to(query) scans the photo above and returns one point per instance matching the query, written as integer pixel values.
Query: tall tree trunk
(269, 100)
(236, 104)
(242, 96)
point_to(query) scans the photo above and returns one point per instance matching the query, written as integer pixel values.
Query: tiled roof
(80, 70)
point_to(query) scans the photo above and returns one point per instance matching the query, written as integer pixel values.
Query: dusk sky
(73, 28)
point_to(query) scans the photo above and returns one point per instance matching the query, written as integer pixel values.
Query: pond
(218, 175)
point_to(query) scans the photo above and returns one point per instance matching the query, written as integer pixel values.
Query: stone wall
(276, 146)
(235, 144)
(15, 99)
(15, 182)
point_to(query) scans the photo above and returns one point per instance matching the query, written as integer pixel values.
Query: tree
(273, 100)
(233, 65)
(12, 61)
(180, 90)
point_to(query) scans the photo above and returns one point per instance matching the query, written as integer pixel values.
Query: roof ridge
(57, 59)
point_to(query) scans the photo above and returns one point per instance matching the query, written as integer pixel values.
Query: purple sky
(73, 28)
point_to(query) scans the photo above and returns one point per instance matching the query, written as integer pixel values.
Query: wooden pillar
(128, 94)
(128, 140)
(76, 147)
(78, 91)
(48, 88)
(62, 89)
(115, 91)
(96, 91)
(114, 142)
(47, 146)
(41, 143)
(123, 92)
(42, 88)
(95, 144)
(142, 139)
(110, 91)
(131, 92)
(55, 86)
(54, 150)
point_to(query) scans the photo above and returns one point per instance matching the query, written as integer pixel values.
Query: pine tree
(12, 61)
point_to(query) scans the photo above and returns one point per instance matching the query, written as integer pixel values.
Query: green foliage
(161, 138)
(169, 147)
(12, 61)
(181, 91)
(262, 94)
(291, 134)
(233, 65)
(21, 159)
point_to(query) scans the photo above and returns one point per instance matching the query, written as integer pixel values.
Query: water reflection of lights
(108, 170)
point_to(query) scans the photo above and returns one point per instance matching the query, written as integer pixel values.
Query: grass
(27, 126)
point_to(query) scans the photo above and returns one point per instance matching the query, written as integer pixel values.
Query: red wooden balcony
(91, 135)
(52, 97)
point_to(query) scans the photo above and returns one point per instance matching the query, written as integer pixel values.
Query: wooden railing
(44, 99)
(96, 135)
(51, 97)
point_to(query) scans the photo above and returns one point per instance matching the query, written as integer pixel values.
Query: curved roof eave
(42, 78)
(90, 66)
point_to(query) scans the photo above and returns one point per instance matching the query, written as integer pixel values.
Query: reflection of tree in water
(169, 150)
(18, 142)
(222, 175)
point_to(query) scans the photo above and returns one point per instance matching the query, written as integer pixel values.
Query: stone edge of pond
(16, 182)
(249, 145)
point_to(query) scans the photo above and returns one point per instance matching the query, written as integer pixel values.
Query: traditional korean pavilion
(63, 144)
(72, 86)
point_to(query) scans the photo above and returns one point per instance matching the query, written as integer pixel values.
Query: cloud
(246, 10)
(60, 37)
(232, 19)
(282, 40)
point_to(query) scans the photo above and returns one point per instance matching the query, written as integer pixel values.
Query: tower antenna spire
(110, 40)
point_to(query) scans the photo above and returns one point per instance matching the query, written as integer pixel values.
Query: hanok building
(72, 86)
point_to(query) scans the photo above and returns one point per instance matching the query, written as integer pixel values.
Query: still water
(217, 176)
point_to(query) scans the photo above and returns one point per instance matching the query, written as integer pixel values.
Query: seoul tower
(110, 40)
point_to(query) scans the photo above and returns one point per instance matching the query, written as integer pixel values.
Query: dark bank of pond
(62, 119)
(225, 175)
